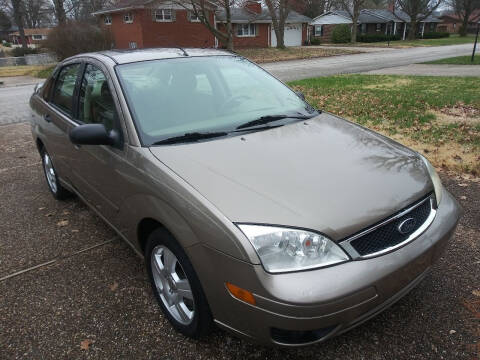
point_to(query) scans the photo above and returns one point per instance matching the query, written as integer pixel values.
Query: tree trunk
(354, 29)
(18, 15)
(60, 12)
(463, 29)
(412, 34)
(280, 37)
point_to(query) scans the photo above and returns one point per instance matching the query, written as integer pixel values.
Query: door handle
(47, 118)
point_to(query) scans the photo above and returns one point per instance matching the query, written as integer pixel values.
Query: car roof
(129, 56)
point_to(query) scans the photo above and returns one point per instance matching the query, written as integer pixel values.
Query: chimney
(253, 6)
(391, 6)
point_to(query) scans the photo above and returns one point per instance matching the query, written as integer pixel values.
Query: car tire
(172, 275)
(54, 185)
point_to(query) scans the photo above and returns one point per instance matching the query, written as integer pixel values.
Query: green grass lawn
(459, 60)
(438, 116)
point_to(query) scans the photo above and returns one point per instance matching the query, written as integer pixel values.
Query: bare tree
(418, 10)
(313, 8)
(353, 7)
(464, 9)
(279, 10)
(203, 9)
(376, 4)
(5, 22)
(60, 13)
(37, 13)
(18, 16)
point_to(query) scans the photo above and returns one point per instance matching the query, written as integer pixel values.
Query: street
(344, 64)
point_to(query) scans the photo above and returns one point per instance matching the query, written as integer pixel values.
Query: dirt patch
(390, 84)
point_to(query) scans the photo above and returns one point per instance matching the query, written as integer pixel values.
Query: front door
(98, 169)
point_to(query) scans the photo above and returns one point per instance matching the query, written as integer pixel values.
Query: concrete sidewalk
(431, 70)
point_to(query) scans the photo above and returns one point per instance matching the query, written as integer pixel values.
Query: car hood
(324, 174)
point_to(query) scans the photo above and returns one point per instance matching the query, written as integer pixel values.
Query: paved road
(430, 70)
(91, 298)
(14, 103)
(303, 69)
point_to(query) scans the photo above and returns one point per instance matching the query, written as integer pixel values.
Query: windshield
(177, 97)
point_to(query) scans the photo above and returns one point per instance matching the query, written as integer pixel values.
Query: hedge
(371, 38)
(435, 35)
(341, 34)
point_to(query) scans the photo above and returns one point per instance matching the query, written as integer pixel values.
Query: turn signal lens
(241, 294)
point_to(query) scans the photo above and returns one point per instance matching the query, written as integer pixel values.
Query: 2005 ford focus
(253, 210)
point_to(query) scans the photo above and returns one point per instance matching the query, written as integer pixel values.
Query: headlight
(283, 249)
(437, 183)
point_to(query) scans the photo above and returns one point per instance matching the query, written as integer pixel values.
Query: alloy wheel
(172, 285)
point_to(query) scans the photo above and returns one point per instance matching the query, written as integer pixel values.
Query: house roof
(123, 5)
(243, 15)
(37, 31)
(474, 17)
(370, 16)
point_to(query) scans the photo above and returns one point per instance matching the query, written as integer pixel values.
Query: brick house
(34, 37)
(370, 21)
(252, 27)
(452, 23)
(157, 23)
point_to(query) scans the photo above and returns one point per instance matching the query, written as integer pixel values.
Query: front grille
(389, 235)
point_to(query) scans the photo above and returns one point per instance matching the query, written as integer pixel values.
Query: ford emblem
(407, 226)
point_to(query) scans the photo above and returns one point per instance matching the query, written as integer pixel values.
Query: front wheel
(56, 188)
(176, 285)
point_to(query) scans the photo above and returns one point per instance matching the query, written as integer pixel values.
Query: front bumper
(320, 303)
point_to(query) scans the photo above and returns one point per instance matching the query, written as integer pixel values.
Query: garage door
(292, 37)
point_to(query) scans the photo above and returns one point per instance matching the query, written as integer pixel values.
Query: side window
(95, 103)
(65, 87)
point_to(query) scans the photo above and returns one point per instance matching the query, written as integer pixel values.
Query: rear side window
(65, 87)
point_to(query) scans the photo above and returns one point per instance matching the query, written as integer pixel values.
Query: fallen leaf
(42, 208)
(75, 231)
(463, 185)
(66, 212)
(62, 223)
(85, 344)
(114, 286)
(476, 293)
(463, 197)
(451, 332)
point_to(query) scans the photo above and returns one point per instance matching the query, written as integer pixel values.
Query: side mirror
(300, 95)
(91, 134)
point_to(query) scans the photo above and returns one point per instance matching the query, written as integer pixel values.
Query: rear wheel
(56, 188)
(176, 285)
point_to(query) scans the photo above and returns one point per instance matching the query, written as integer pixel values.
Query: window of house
(65, 87)
(163, 15)
(37, 37)
(363, 28)
(378, 27)
(194, 18)
(107, 19)
(95, 104)
(128, 18)
(246, 30)
(432, 27)
(132, 45)
(318, 30)
(454, 25)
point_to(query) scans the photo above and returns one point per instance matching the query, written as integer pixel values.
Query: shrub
(371, 38)
(435, 35)
(341, 34)
(315, 41)
(20, 51)
(7, 44)
(76, 37)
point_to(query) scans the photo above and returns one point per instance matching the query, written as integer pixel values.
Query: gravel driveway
(91, 298)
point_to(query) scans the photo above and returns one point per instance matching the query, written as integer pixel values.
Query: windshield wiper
(190, 137)
(271, 118)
